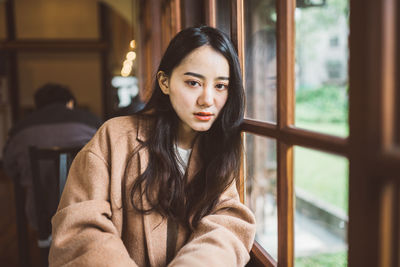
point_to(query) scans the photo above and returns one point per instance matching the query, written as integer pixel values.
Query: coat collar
(142, 128)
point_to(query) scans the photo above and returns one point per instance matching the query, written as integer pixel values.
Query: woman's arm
(223, 238)
(83, 231)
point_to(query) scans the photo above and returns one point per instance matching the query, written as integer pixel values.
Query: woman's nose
(206, 98)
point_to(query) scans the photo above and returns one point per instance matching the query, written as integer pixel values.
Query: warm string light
(132, 44)
(128, 62)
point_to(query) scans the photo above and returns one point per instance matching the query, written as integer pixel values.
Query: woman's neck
(186, 136)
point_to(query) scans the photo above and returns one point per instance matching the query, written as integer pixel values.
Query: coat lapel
(155, 226)
(194, 160)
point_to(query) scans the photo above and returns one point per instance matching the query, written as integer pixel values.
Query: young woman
(158, 188)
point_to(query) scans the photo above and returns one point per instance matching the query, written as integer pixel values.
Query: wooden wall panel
(51, 19)
(193, 13)
(80, 71)
(3, 27)
(150, 44)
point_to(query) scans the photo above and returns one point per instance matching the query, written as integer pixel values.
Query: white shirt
(184, 155)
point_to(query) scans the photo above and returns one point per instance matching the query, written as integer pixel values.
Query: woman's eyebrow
(202, 77)
(195, 75)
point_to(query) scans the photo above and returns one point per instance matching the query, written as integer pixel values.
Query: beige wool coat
(96, 225)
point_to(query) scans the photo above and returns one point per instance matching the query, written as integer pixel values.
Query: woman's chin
(201, 128)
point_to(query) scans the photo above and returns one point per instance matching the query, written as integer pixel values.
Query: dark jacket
(53, 125)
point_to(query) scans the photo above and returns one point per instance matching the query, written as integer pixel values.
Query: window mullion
(285, 62)
(285, 205)
(285, 103)
(237, 31)
(177, 16)
(237, 36)
(388, 69)
(211, 18)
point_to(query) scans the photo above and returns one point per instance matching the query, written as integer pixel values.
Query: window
(321, 208)
(260, 59)
(297, 132)
(321, 69)
(298, 78)
(261, 189)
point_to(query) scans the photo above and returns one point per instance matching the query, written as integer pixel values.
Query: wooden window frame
(381, 157)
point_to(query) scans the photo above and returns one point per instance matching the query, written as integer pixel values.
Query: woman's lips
(203, 116)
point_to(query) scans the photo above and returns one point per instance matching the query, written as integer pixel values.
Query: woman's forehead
(205, 61)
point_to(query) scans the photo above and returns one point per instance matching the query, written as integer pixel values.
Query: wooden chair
(22, 225)
(47, 163)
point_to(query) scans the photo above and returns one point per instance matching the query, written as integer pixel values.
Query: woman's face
(197, 88)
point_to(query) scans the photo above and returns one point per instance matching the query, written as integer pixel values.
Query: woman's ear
(163, 82)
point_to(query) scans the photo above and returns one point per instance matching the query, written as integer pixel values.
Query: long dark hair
(165, 187)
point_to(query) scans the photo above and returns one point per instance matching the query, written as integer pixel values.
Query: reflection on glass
(321, 215)
(321, 66)
(260, 59)
(224, 16)
(261, 189)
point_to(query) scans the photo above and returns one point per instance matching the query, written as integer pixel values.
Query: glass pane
(260, 56)
(223, 11)
(52, 19)
(321, 215)
(322, 31)
(261, 189)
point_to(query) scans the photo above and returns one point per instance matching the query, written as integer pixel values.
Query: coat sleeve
(83, 231)
(223, 238)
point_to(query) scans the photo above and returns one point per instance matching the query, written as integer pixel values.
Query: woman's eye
(221, 86)
(193, 83)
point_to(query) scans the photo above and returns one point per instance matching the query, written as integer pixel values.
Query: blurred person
(54, 123)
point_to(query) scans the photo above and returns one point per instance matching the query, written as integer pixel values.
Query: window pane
(261, 189)
(322, 30)
(224, 15)
(260, 57)
(321, 215)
